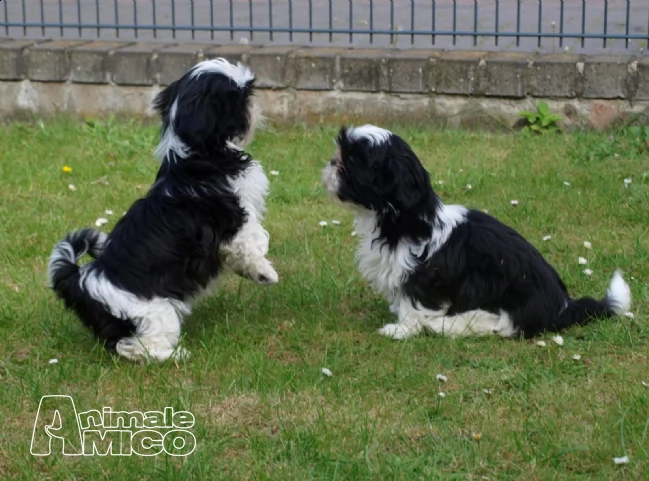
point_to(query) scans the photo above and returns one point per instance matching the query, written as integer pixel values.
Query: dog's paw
(397, 331)
(180, 354)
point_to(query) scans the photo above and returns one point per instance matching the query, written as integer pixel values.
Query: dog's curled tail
(580, 311)
(63, 271)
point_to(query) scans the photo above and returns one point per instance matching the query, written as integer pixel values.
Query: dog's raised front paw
(397, 331)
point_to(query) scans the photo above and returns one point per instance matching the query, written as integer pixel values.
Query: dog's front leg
(410, 321)
(246, 254)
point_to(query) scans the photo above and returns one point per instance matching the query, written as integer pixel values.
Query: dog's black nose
(333, 161)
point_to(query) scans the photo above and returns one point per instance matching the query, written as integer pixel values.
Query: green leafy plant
(542, 121)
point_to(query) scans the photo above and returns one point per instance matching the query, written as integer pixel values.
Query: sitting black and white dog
(445, 268)
(202, 214)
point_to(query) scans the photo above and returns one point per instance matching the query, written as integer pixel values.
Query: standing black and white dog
(446, 268)
(202, 214)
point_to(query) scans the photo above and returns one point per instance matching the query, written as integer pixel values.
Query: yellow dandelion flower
(67, 169)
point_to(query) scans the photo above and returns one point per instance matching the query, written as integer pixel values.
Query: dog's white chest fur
(387, 269)
(384, 268)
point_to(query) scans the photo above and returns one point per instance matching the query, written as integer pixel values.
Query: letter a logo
(56, 419)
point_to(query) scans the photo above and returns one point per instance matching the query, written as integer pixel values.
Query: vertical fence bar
(155, 20)
(311, 21)
(433, 21)
(43, 19)
(24, 9)
(212, 19)
(475, 22)
(252, 33)
(497, 20)
(116, 18)
(7, 19)
(540, 28)
(191, 8)
(412, 22)
(231, 21)
(290, 20)
(561, 24)
(173, 19)
(351, 20)
(454, 19)
(98, 17)
(628, 21)
(270, 18)
(392, 21)
(135, 18)
(518, 22)
(583, 22)
(372, 21)
(331, 16)
(605, 22)
(79, 16)
(60, 17)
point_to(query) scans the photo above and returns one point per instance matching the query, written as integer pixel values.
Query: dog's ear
(163, 101)
(402, 178)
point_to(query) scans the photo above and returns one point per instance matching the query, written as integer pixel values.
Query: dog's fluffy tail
(580, 311)
(65, 279)
(62, 267)
(63, 271)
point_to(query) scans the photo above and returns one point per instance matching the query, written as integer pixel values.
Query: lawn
(263, 408)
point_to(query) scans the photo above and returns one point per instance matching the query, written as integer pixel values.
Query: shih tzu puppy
(445, 268)
(201, 216)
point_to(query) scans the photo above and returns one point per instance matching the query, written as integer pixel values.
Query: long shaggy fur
(446, 268)
(202, 215)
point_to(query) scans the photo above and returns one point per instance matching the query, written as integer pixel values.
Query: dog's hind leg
(157, 334)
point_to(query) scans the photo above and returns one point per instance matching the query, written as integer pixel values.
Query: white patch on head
(239, 73)
(618, 295)
(170, 142)
(375, 135)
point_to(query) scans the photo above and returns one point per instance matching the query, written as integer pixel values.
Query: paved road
(380, 14)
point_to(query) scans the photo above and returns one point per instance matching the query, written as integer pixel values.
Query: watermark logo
(60, 428)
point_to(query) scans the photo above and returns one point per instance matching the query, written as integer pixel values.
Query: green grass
(263, 408)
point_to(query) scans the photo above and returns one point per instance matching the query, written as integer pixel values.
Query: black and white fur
(445, 268)
(202, 214)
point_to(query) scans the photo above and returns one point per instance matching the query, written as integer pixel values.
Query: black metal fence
(584, 26)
